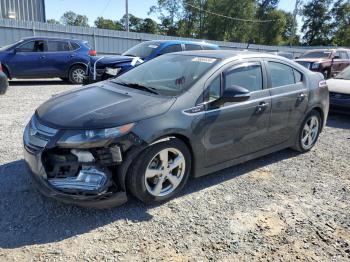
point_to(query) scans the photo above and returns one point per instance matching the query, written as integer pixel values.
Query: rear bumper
(37, 172)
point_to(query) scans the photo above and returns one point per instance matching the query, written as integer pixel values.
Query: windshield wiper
(138, 86)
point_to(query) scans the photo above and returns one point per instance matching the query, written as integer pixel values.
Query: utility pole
(201, 19)
(295, 13)
(127, 15)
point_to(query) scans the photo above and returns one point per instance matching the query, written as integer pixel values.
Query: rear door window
(58, 46)
(171, 49)
(281, 74)
(189, 47)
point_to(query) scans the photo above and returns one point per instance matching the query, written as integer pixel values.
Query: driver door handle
(42, 57)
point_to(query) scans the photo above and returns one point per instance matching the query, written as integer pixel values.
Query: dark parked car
(339, 92)
(41, 57)
(329, 62)
(178, 115)
(102, 68)
(3, 81)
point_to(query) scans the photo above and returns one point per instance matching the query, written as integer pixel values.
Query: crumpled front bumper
(37, 172)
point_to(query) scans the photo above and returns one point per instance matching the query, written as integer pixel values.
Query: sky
(114, 9)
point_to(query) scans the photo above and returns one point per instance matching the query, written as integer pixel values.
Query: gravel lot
(284, 206)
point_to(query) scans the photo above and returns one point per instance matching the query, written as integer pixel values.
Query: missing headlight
(90, 179)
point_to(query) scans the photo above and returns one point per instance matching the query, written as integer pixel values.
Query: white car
(339, 91)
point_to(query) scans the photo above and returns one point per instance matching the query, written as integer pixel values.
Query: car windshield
(6, 47)
(345, 74)
(316, 54)
(142, 50)
(168, 75)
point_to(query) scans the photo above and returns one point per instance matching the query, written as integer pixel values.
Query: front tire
(160, 171)
(77, 74)
(309, 132)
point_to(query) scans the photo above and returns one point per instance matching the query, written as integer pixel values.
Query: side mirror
(297, 57)
(336, 57)
(235, 94)
(15, 50)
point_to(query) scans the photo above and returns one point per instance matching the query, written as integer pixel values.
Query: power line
(230, 17)
(104, 9)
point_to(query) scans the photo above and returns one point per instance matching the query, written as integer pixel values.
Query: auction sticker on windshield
(204, 60)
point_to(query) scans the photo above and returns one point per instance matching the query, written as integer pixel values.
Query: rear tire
(77, 74)
(160, 171)
(309, 132)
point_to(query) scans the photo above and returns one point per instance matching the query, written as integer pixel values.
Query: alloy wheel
(165, 172)
(310, 132)
(78, 75)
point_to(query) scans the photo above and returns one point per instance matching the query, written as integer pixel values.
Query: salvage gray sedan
(178, 115)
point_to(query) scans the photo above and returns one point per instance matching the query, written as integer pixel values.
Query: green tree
(53, 21)
(317, 22)
(221, 28)
(149, 26)
(134, 22)
(169, 12)
(341, 23)
(108, 24)
(71, 18)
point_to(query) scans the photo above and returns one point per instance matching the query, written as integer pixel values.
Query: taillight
(92, 52)
(1, 68)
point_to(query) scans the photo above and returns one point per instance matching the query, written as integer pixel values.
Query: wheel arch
(133, 153)
(6, 70)
(77, 64)
(322, 114)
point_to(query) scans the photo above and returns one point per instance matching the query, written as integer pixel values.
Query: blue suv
(102, 68)
(42, 57)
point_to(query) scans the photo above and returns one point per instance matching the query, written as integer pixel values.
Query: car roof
(167, 42)
(52, 38)
(225, 54)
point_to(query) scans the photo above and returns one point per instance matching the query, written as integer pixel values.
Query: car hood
(109, 60)
(311, 60)
(107, 105)
(339, 86)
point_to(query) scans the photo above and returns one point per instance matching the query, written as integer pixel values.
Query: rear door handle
(301, 97)
(42, 57)
(261, 107)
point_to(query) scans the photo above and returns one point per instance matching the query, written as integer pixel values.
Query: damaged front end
(83, 167)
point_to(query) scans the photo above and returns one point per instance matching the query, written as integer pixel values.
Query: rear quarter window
(75, 46)
(298, 76)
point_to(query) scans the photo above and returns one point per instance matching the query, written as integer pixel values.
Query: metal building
(28, 10)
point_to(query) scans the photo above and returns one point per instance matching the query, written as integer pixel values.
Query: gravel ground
(284, 206)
